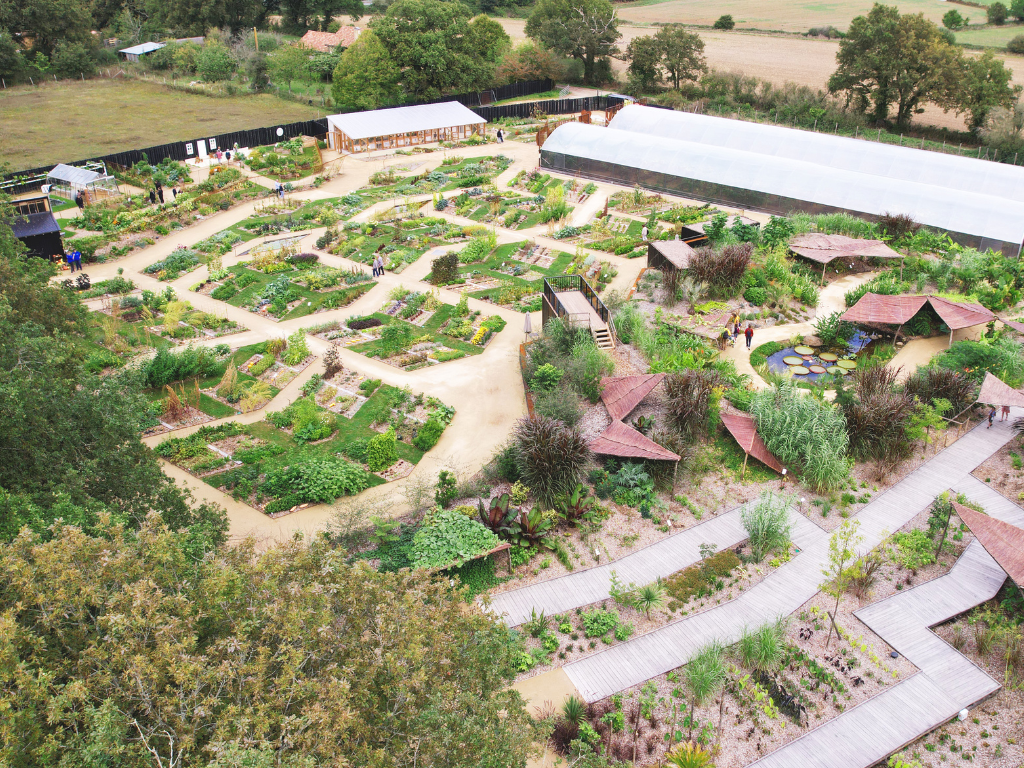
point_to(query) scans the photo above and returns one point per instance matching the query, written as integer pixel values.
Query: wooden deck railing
(564, 283)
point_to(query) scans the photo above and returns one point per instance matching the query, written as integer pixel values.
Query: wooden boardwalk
(576, 303)
(655, 653)
(641, 567)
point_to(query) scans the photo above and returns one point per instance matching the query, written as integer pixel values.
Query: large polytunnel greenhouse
(782, 170)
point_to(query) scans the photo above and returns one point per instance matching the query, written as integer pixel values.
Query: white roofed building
(135, 52)
(402, 126)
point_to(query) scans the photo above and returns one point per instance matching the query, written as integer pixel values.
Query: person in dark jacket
(749, 334)
(160, 192)
(78, 260)
(80, 200)
(152, 197)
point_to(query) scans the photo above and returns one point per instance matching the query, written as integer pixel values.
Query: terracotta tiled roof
(742, 428)
(625, 442)
(328, 41)
(896, 310)
(1003, 541)
(622, 394)
(823, 248)
(995, 392)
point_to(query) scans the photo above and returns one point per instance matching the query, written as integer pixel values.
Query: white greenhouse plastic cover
(385, 122)
(863, 156)
(72, 175)
(970, 213)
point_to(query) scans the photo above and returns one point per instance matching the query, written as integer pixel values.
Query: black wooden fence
(254, 137)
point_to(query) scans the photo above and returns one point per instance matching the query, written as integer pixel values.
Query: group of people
(1004, 415)
(733, 327)
(279, 189)
(378, 266)
(157, 193)
(74, 260)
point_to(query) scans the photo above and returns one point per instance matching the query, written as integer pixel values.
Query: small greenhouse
(68, 180)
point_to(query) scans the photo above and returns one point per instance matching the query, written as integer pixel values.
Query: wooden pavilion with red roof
(880, 310)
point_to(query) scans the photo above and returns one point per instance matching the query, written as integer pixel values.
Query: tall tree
(71, 444)
(366, 77)
(431, 43)
(683, 52)
(289, 63)
(644, 56)
(986, 83)
(585, 30)
(47, 22)
(889, 60)
(488, 38)
(289, 657)
(528, 61)
(317, 14)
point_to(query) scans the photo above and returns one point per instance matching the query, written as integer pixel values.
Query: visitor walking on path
(501, 137)
(80, 201)
(1005, 413)
(160, 192)
(749, 333)
(643, 233)
(991, 416)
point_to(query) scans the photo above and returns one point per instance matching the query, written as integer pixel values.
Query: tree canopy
(288, 657)
(366, 77)
(683, 53)
(585, 30)
(435, 47)
(71, 446)
(891, 61)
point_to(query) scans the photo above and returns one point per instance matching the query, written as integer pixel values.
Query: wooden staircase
(603, 338)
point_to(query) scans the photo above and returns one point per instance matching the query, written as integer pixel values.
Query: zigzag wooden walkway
(655, 653)
(641, 567)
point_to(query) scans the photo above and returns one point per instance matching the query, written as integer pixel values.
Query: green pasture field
(75, 120)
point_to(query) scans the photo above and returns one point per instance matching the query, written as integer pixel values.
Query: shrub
(724, 21)
(215, 63)
(381, 452)
(996, 13)
(446, 490)
(598, 622)
(693, 401)
(224, 292)
(546, 377)
(561, 404)
(553, 457)
(935, 383)
(297, 350)
(318, 480)
(767, 523)
(428, 435)
(1016, 44)
(450, 538)
(833, 330)
(721, 269)
(362, 323)
(755, 295)
(444, 269)
(804, 430)
(914, 549)
(167, 367)
(877, 420)
(72, 60)
(308, 422)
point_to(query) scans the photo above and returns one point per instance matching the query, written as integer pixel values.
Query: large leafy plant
(450, 538)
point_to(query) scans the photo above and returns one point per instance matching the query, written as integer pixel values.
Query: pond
(806, 363)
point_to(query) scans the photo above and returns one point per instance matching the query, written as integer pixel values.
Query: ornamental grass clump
(693, 397)
(802, 430)
(552, 457)
(722, 270)
(878, 415)
(767, 524)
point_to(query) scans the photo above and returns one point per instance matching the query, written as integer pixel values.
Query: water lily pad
(799, 370)
(803, 350)
(835, 370)
(847, 364)
(817, 369)
(829, 357)
(792, 360)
